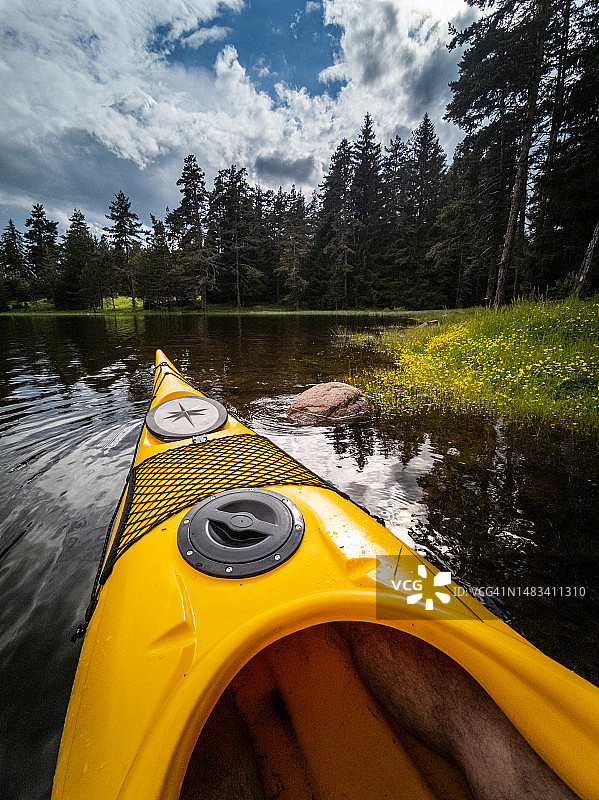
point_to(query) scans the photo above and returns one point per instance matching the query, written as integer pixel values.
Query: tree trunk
(520, 237)
(129, 277)
(345, 271)
(237, 280)
(557, 112)
(497, 207)
(557, 115)
(519, 188)
(583, 279)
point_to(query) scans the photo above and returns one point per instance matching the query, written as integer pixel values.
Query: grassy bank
(528, 361)
(123, 305)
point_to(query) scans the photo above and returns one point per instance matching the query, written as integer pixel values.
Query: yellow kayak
(255, 634)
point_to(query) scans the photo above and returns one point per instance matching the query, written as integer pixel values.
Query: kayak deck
(311, 678)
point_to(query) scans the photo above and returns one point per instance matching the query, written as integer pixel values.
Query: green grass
(41, 306)
(527, 361)
(123, 305)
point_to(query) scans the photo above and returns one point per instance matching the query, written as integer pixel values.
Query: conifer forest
(393, 224)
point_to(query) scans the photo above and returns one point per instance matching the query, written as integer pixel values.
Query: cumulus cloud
(214, 34)
(89, 65)
(394, 60)
(94, 83)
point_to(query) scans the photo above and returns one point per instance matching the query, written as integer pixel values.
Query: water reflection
(497, 505)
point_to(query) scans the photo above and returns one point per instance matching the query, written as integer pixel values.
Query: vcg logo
(424, 587)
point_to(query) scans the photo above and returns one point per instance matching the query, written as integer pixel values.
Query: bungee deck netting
(170, 482)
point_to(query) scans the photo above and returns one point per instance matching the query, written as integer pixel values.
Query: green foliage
(41, 252)
(230, 215)
(336, 228)
(293, 247)
(76, 276)
(14, 280)
(125, 233)
(537, 361)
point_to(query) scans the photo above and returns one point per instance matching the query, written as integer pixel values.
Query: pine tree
(125, 234)
(564, 232)
(230, 228)
(76, 266)
(194, 202)
(277, 229)
(12, 251)
(42, 249)
(294, 247)
(398, 223)
(366, 199)
(337, 229)
(263, 252)
(156, 280)
(13, 283)
(420, 283)
(189, 220)
(539, 20)
(396, 178)
(427, 170)
(503, 74)
(106, 279)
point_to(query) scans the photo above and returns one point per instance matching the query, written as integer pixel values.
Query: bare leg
(439, 703)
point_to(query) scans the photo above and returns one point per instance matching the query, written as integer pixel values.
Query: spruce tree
(263, 252)
(504, 75)
(194, 202)
(294, 247)
(12, 251)
(125, 233)
(366, 199)
(230, 229)
(426, 175)
(337, 229)
(14, 284)
(564, 233)
(398, 224)
(189, 221)
(74, 287)
(427, 170)
(156, 279)
(42, 249)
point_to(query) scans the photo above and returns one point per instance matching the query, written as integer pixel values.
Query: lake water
(501, 507)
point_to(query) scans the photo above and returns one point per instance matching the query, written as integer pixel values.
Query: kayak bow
(253, 633)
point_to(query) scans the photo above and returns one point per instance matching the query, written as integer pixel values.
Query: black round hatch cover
(185, 417)
(240, 533)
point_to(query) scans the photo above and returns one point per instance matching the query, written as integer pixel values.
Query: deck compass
(185, 417)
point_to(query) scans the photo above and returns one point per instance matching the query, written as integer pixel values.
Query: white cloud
(394, 61)
(102, 70)
(90, 66)
(198, 38)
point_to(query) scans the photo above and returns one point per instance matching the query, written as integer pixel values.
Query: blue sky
(275, 41)
(104, 96)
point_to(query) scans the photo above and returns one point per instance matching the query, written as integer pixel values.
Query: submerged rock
(329, 402)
